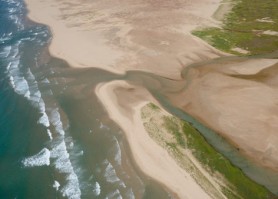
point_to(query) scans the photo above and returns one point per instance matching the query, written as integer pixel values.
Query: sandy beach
(119, 36)
(125, 102)
(154, 36)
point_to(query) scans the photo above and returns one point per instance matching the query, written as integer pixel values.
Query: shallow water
(56, 140)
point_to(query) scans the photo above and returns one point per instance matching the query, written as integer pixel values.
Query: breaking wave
(40, 159)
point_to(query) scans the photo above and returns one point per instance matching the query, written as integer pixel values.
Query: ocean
(56, 140)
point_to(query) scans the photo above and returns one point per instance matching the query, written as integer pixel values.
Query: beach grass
(184, 137)
(249, 26)
(215, 162)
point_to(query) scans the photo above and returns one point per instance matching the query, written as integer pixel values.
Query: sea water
(56, 140)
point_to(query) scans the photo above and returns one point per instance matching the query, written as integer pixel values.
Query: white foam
(102, 126)
(45, 80)
(9, 65)
(13, 67)
(71, 190)
(13, 2)
(63, 165)
(3, 39)
(6, 51)
(12, 82)
(129, 194)
(110, 174)
(81, 153)
(71, 145)
(114, 195)
(35, 94)
(117, 151)
(15, 51)
(25, 84)
(56, 185)
(97, 189)
(122, 184)
(41, 106)
(17, 80)
(21, 86)
(12, 10)
(35, 97)
(27, 39)
(40, 159)
(44, 120)
(55, 119)
(17, 20)
(30, 75)
(49, 134)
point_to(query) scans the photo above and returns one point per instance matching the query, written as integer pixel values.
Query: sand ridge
(151, 158)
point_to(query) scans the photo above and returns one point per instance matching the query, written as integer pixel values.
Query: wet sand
(239, 101)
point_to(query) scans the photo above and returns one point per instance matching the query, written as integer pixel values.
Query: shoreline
(160, 165)
(130, 43)
(127, 48)
(157, 169)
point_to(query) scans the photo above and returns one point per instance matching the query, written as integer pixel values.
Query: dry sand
(125, 102)
(149, 35)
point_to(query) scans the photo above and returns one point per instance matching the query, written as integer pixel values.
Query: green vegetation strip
(235, 184)
(251, 25)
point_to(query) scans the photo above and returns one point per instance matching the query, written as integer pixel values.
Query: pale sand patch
(224, 8)
(242, 108)
(265, 20)
(124, 102)
(248, 67)
(270, 32)
(240, 50)
(127, 35)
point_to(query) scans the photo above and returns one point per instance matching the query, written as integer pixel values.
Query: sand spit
(125, 102)
(238, 100)
(123, 35)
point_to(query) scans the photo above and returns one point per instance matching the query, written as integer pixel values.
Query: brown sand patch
(239, 102)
